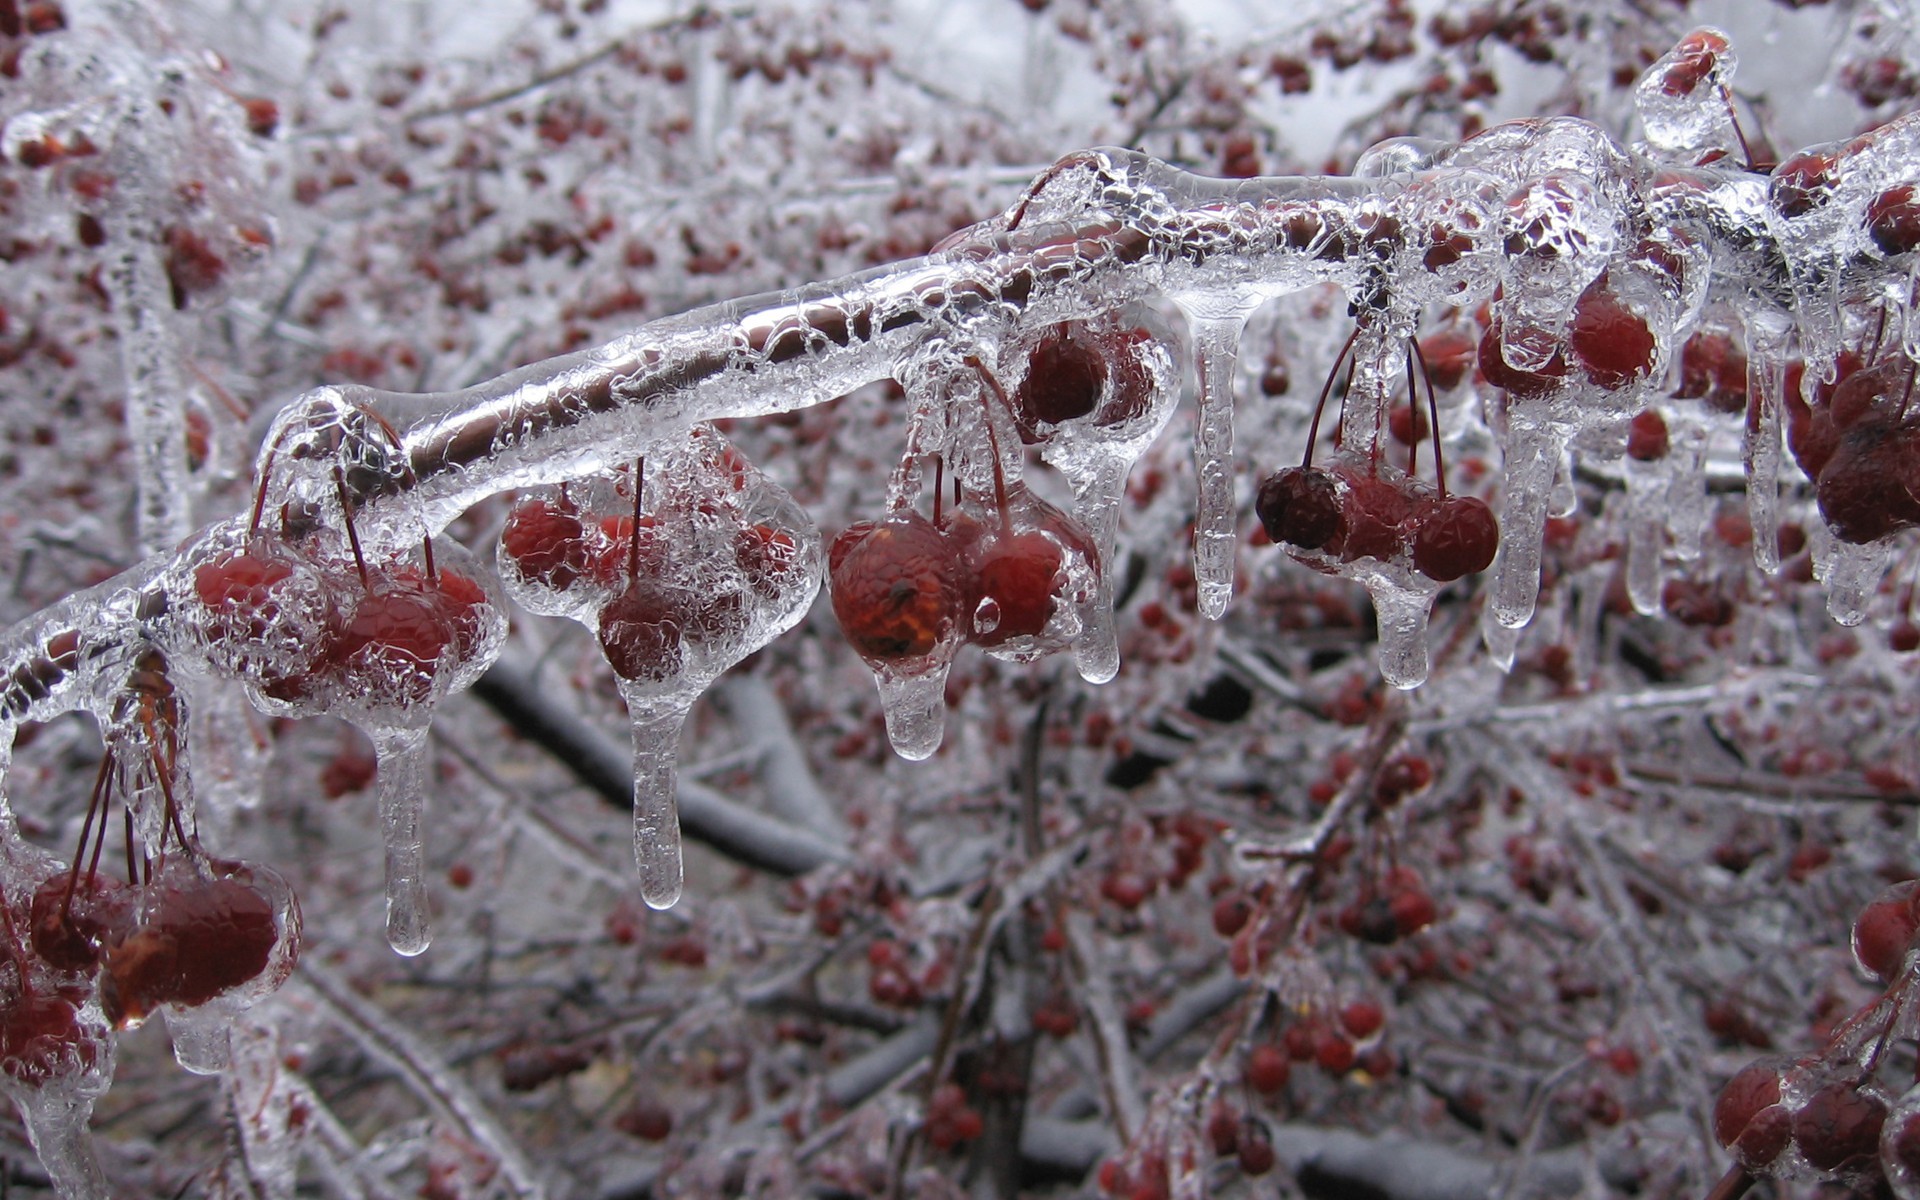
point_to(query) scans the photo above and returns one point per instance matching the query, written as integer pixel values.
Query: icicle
(916, 710)
(56, 1120)
(263, 1109)
(229, 755)
(1099, 484)
(1563, 500)
(1533, 455)
(1853, 576)
(402, 758)
(1687, 501)
(1216, 337)
(656, 806)
(1648, 485)
(1767, 345)
(1402, 616)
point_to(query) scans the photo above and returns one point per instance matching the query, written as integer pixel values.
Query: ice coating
(656, 814)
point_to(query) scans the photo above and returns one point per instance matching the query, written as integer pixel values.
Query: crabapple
(897, 587)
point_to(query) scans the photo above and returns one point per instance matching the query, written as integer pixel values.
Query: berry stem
(353, 535)
(1433, 416)
(1740, 135)
(94, 801)
(639, 496)
(1326, 389)
(993, 442)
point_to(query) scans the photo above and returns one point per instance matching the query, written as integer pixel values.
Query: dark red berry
(1015, 579)
(1893, 219)
(200, 938)
(642, 630)
(1647, 439)
(546, 541)
(72, 926)
(1299, 506)
(1449, 355)
(1230, 914)
(1837, 1125)
(1255, 1152)
(1457, 536)
(648, 1120)
(1267, 1069)
(1885, 930)
(1538, 382)
(1065, 376)
(1612, 343)
(1802, 183)
(1362, 1019)
(1748, 1118)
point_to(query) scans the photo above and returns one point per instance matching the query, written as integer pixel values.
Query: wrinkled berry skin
(1299, 506)
(896, 586)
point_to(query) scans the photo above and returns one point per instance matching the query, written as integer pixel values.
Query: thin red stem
(639, 497)
(1326, 389)
(993, 442)
(1433, 416)
(353, 535)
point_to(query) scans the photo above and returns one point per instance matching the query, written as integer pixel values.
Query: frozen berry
(200, 938)
(1065, 376)
(1893, 219)
(1838, 1125)
(546, 541)
(1457, 536)
(1299, 506)
(1647, 439)
(1748, 1118)
(1885, 930)
(1267, 1069)
(896, 587)
(642, 629)
(1612, 343)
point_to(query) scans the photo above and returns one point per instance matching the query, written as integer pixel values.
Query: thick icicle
(1852, 576)
(402, 759)
(916, 709)
(1099, 484)
(1402, 613)
(1216, 339)
(199, 1037)
(656, 806)
(1767, 346)
(1533, 456)
(56, 1120)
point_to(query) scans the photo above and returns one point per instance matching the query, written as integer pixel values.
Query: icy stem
(916, 708)
(401, 755)
(1216, 345)
(1647, 489)
(656, 805)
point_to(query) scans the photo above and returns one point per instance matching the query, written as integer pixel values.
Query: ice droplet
(916, 710)
(199, 1037)
(1502, 641)
(656, 802)
(1216, 337)
(401, 758)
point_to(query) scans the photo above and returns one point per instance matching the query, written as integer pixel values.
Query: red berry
(1449, 355)
(1748, 1118)
(1691, 62)
(1407, 424)
(1456, 536)
(647, 1120)
(1885, 930)
(1223, 1129)
(1230, 914)
(1065, 376)
(896, 587)
(1256, 1152)
(1362, 1019)
(1900, 1147)
(1538, 382)
(1015, 578)
(70, 928)
(200, 938)
(1401, 778)
(1299, 506)
(1128, 889)
(1333, 1052)
(1838, 1124)
(1893, 219)
(390, 647)
(1412, 910)
(546, 541)
(1647, 439)
(1374, 517)
(1267, 1069)
(642, 630)
(1802, 183)
(1612, 344)
(43, 1038)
